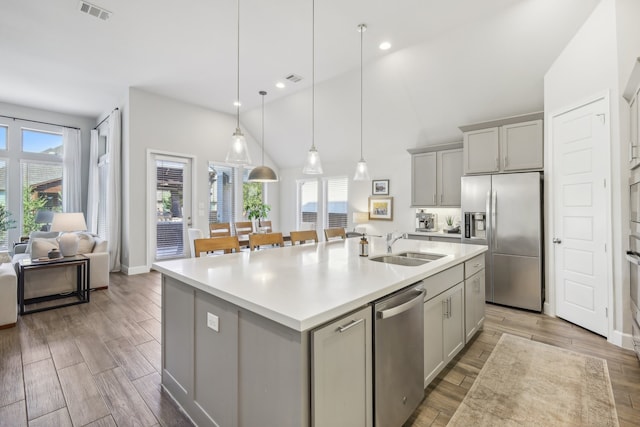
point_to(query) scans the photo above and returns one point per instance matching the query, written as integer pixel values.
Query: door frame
(150, 199)
(549, 211)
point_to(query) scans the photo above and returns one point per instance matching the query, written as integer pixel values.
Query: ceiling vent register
(293, 78)
(93, 10)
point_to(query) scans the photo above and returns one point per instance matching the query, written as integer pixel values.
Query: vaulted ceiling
(451, 62)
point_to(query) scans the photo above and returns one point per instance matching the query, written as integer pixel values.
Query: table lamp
(360, 218)
(67, 223)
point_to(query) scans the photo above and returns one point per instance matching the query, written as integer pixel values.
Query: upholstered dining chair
(303, 236)
(219, 229)
(211, 244)
(260, 239)
(242, 229)
(333, 233)
(193, 234)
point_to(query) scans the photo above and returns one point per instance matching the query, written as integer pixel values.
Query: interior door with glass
(172, 206)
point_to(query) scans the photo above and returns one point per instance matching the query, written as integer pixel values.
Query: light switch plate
(212, 321)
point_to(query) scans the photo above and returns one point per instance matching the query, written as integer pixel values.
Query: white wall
(154, 122)
(84, 123)
(591, 65)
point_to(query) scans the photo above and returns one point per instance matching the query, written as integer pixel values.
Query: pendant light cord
(263, 93)
(362, 27)
(313, 72)
(238, 73)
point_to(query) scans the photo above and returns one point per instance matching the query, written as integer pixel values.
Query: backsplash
(442, 214)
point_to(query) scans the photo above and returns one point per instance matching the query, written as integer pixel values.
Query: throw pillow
(41, 247)
(85, 243)
(39, 235)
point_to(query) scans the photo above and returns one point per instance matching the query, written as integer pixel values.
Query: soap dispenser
(364, 246)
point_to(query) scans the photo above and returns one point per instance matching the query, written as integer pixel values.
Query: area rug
(527, 383)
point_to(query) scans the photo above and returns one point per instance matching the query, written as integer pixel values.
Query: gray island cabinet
(283, 337)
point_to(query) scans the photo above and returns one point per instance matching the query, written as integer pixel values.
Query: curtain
(114, 189)
(93, 189)
(71, 171)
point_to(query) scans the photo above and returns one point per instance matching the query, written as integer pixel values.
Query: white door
(580, 141)
(169, 205)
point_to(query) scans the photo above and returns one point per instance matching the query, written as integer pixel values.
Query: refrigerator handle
(488, 225)
(494, 223)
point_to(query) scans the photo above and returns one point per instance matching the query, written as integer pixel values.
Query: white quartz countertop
(305, 286)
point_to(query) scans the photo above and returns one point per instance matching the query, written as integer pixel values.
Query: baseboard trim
(621, 340)
(547, 309)
(130, 271)
(8, 325)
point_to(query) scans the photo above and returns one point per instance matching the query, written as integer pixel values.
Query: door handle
(350, 325)
(557, 241)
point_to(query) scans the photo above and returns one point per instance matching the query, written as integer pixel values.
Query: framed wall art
(381, 208)
(380, 187)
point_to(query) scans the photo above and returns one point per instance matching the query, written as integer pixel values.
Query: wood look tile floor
(98, 364)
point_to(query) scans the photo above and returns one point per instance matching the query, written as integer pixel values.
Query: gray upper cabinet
(632, 95)
(435, 175)
(507, 145)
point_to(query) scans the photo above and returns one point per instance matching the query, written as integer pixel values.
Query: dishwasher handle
(401, 308)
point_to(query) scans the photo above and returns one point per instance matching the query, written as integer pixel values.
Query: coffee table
(82, 292)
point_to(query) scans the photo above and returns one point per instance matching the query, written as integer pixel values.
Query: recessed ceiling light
(385, 46)
(280, 85)
(237, 103)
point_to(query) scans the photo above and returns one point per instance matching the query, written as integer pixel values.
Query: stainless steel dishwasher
(398, 355)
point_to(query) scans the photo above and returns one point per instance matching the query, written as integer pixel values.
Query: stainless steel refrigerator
(504, 212)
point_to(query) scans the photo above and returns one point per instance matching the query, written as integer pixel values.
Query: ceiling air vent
(93, 10)
(293, 78)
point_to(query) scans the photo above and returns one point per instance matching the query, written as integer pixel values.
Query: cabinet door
(342, 372)
(433, 354)
(481, 151)
(453, 325)
(423, 181)
(449, 174)
(521, 146)
(473, 304)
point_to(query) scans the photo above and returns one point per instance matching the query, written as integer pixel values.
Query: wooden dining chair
(303, 236)
(260, 239)
(243, 229)
(333, 233)
(219, 229)
(211, 244)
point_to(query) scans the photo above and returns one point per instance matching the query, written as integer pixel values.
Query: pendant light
(362, 171)
(313, 166)
(262, 173)
(238, 152)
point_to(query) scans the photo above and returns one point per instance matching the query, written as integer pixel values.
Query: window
(41, 189)
(42, 142)
(221, 194)
(8, 219)
(252, 192)
(307, 204)
(336, 202)
(4, 131)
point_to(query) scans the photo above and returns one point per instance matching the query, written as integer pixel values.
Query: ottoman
(8, 296)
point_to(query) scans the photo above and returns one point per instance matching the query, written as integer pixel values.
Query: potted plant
(256, 209)
(449, 221)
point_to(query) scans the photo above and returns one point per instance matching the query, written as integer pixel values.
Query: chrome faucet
(391, 240)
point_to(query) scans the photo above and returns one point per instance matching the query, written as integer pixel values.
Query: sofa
(8, 291)
(61, 280)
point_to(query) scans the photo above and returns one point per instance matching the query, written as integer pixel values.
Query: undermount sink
(421, 255)
(410, 259)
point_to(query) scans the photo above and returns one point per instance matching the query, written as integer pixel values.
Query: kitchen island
(238, 343)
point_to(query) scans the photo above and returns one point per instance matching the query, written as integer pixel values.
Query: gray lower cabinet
(341, 366)
(474, 304)
(431, 238)
(443, 321)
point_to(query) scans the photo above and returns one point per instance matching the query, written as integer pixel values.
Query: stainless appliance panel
(516, 281)
(516, 215)
(398, 356)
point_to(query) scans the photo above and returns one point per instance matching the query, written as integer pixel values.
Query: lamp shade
(262, 174)
(360, 217)
(72, 221)
(44, 217)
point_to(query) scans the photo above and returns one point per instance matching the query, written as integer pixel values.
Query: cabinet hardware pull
(444, 308)
(350, 325)
(449, 303)
(476, 265)
(434, 199)
(441, 198)
(505, 162)
(497, 163)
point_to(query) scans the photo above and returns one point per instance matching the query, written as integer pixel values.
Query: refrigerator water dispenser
(475, 225)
